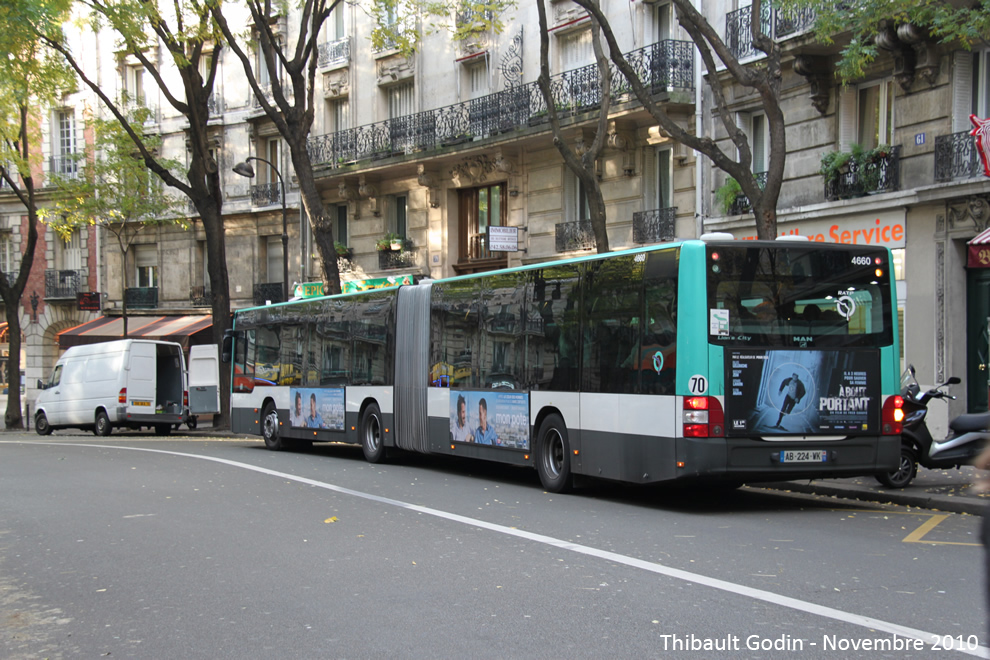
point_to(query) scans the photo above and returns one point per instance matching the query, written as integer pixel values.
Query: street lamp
(245, 169)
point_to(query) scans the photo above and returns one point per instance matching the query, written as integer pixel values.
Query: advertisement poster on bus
(490, 417)
(780, 392)
(317, 408)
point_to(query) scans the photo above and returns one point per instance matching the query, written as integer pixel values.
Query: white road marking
(687, 576)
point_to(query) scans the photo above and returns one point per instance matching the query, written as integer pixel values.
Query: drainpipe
(699, 179)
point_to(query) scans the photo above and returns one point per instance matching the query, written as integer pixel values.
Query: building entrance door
(977, 317)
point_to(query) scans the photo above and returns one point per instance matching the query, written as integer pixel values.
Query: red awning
(185, 330)
(978, 250)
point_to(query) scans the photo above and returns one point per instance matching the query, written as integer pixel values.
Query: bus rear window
(798, 295)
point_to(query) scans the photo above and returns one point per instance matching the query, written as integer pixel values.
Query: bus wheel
(372, 443)
(41, 424)
(269, 428)
(904, 474)
(553, 461)
(102, 427)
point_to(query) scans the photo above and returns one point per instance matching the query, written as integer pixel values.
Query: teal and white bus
(705, 360)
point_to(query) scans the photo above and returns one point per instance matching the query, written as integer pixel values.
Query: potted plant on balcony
(727, 194)
(390, 241)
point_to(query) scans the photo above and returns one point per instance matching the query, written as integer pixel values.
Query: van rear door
(204, 380)
(141, 378)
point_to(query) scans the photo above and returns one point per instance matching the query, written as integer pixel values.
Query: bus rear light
(703, 417)
(892, 415)
(681, 464)
(122, 397)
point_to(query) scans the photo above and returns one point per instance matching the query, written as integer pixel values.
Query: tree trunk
(13, 418)
(320, 224)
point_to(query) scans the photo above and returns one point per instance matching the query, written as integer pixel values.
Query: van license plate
(804, 456)
(148, 403)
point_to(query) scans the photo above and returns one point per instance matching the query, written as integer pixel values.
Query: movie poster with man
(780, 392)
(317, 408)
(490, 417)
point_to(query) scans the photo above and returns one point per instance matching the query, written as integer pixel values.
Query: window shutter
(847, 118)
(962, 90)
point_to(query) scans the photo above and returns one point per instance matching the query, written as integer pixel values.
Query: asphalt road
(144, 547)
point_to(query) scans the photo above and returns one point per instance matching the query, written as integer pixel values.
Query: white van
(129, 383)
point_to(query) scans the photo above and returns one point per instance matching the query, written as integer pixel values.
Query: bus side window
(243, 380)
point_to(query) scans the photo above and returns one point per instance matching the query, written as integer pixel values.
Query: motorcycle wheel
(904, 473)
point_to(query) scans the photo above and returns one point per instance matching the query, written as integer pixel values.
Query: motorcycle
(968, 434)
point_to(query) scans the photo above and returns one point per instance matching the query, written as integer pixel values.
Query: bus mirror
(227, 348)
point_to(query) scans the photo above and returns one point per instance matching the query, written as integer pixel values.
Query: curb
(965, 504)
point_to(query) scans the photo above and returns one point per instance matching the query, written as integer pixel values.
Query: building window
(134, 84)
(970, 87)
(339, 215)
(336, 20)
(69, 254)
(64, 143)
(146, 263)
(665, 188)
(396, 218)
(866, 115)
(575, 198)
(338, 115)
(576, 50)
(10, 256)
(273, 251)
(400, 100)
(662, 21)
(480, 208)
(755, 127)
(477, 75)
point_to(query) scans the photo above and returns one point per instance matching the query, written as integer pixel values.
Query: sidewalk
(943, 490)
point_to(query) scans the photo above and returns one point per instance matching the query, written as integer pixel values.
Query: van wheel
(102, 427)
(191, 423)
(372, 441)
(269, 428)
(163, 429)
(41, 424)
(553, 461)
(905, 472)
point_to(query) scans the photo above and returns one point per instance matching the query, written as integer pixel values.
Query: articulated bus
(696, 360)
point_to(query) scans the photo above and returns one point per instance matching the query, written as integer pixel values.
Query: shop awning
(185, 330)
(978, 249)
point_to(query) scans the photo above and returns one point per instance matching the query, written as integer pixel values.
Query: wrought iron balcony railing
(266, 91)
(215, 105)
(883, 174)
(66, 165)
(773, 22)
(654, 226)
(145, 297)
(956, 157)
(663, 66)
(266, 194)
(266, 292)
(62, 284)
(332, 53)
(742, 204)
(200, 296)
(576, 235)
(392, 259)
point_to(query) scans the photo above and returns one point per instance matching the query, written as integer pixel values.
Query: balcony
(266, 91)
(266, 194)
(66, 165)
(214, 105)
(268, 292)
(334, 53)
(663, 67)
(956, 157)
(394, 259)
(62, 284)
(742, 204)
(200, 296)
(773, 22)
(145, 297)
(570, 236)
(654, 226)
(882, 174)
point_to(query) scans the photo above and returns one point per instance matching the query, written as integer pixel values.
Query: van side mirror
(42, 385)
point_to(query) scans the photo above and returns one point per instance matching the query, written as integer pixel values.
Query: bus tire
(553, 460)
(269, 428)
(102, 426)
(372, 436)
(41, 424)
(905, 472)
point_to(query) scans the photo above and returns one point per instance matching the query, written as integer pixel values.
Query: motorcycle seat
(971, 422)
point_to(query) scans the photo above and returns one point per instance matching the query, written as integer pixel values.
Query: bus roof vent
(793, 237)
(718, 236)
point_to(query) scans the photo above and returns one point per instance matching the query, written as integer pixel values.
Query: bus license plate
(804, 456)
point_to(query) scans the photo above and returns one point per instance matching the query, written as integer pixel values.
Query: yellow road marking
(918, 535)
